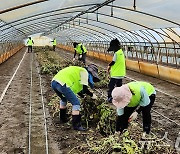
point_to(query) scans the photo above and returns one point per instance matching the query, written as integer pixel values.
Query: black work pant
(83, 58)
(113, 82)
(29, 48)
(54, 47)
(122, 121)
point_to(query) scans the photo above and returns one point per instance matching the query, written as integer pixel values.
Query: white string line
(155, 88)
(136, 120)
(160, 92)
(6, 88)
(151, 109)
(44, 112)
(30, 106)
(136, 80)
(165, 117)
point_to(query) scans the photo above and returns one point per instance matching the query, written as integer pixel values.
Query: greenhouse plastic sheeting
(137, 20)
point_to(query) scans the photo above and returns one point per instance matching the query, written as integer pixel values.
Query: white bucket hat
(121, 96)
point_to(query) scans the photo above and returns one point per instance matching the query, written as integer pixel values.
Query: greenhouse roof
(91, 20)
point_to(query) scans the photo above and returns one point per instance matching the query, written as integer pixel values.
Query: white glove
(117, 133)
(94, 96)
(80, 56)
(133, 116)
(73, 59)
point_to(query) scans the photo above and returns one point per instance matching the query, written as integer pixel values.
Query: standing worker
(116, 68)
(30, 42)
(81, 50)
(54, 44)
(70, 81)
(139, 96)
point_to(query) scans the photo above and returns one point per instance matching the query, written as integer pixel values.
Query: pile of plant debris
(99, 117)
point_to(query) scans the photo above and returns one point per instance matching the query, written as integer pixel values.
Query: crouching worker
(70, 81)
(132, 99)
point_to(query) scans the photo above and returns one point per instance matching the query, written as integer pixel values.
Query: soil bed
(99, 138)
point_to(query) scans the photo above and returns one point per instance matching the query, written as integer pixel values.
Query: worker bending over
(130, 100)
(70, 81)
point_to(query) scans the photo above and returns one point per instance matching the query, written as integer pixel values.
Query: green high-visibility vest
(54, 42)
(78, 49)
(30, 42)
(119, 68)
(71, 76)
(135, 87)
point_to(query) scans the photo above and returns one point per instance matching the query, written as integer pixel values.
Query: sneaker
(148, 136)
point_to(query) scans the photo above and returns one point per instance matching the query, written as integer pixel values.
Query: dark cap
(114, 44)
(75, 44)
(93, 69)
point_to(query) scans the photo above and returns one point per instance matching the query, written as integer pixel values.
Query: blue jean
(66, 94)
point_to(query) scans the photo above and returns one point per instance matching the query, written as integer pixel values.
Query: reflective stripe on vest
(119, 68)
(135, 87)
(78, 49)
(71, 76)
(30, 42)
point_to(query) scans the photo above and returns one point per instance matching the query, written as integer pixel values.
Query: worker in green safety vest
(54, 42)
(30, 42)
(70, 81)
(131, 99)
(81, 51)
(117, 67)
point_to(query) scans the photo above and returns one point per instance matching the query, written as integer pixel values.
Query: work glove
(133, 116)
(117, 133)
(94, 96)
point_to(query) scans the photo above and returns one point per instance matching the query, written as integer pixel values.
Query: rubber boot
(76, 122)
(63, 116)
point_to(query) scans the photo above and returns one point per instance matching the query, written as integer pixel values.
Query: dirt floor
(167, 99)
(14, 110)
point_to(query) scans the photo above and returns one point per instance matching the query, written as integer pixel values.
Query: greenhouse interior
(89, 77)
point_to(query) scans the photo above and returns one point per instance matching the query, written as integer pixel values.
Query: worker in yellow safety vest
(81, 51)
(131, 99)
(30, 42)
(54, 44)
(117, 67)
(70, 81)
